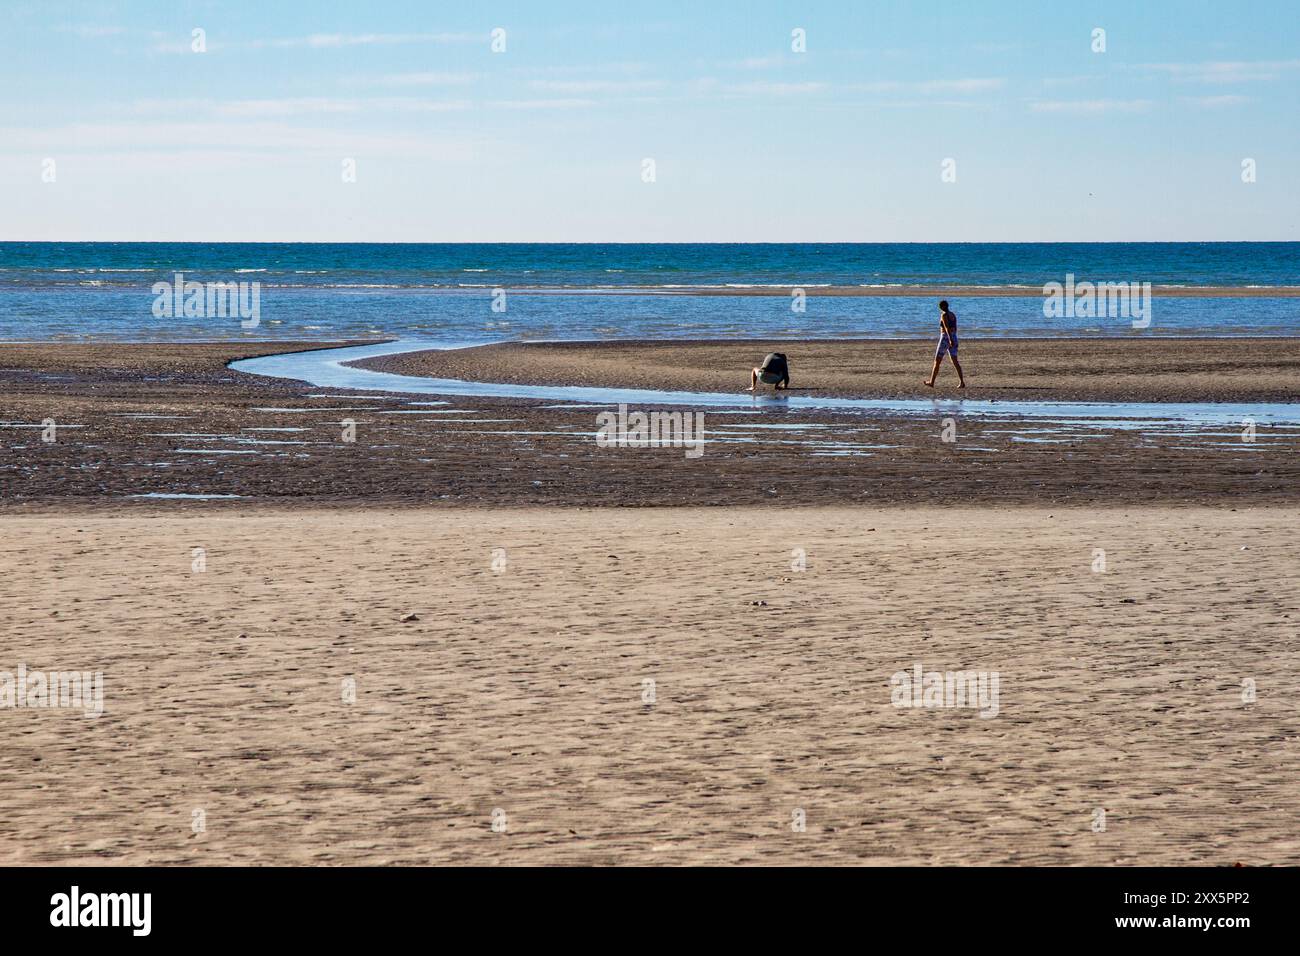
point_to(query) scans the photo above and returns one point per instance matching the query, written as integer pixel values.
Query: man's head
(943, 306)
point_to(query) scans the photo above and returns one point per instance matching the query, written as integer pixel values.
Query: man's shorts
(769, 378)
(945, 349)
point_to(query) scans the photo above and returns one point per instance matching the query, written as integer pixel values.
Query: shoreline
(870, 292)
(784, 289)
(298, 344)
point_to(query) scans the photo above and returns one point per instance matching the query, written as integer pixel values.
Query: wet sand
(525, 691)
(1121, 370)
(148, 420)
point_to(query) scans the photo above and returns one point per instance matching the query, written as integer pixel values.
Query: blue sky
(751, 141)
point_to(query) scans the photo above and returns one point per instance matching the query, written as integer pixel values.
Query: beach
(518, 691)
(471, 635)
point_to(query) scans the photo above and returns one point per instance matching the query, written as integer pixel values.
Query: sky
(659, 121)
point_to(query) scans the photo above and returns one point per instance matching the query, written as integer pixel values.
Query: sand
(275, 708)
(1138, 369)
(524, 690)
(144, 420)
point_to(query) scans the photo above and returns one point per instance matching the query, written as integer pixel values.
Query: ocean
(105, 291)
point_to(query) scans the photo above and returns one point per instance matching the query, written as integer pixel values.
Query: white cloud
(765, 88)
(1223, 71)
(541, 104)
(298, 106)
(335, 40)
(314, 41)
(1090, 107)
(960, 86)
(1052, 82)
(421, 79)
(285, 107)
(1213, 102)
(747, 63)
(227, 136)
(626, 68)
(597, 86)
(703, 86)
(89, 31)
(974, 85)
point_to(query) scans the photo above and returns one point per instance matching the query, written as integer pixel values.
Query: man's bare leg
(961, 379)
(934, 372)
(753, 379)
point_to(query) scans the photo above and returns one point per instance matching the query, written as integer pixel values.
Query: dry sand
(524, 690)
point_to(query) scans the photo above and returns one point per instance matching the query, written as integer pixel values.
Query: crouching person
(775, 370)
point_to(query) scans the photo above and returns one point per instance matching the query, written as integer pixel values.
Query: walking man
(947, 345)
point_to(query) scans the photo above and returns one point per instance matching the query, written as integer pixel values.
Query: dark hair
(944, 305)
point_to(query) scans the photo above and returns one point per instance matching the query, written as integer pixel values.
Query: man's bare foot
(929, 384)
(961, 385)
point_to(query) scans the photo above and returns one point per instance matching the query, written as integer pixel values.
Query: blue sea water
(104, 291)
